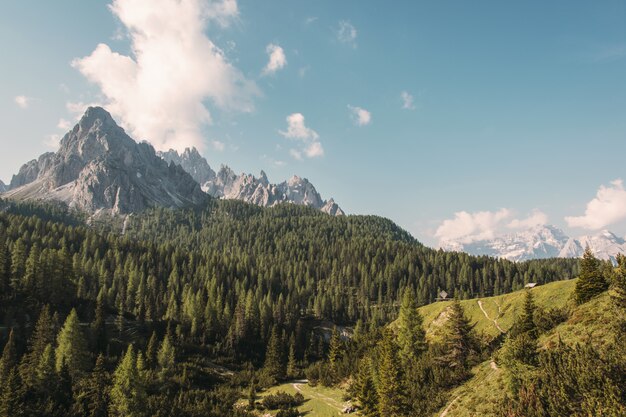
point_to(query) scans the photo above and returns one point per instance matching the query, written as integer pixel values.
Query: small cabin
(530, 285)
(443, 296)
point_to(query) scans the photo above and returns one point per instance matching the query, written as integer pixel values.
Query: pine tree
(526, 323)
(292, 362)
(618, 299)
(166, 356)
(72, 347)
(335, 354)
(365, 390)
(411, 334)
(151, 350)
(274, 366)
(98, 326)
(458, 340)
(8, 361)
(94, 394)
(591, 281)
(391, 390)
(127, 393)
(44, 335)
(12, 400)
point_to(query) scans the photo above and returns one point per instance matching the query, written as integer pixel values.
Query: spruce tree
(591, 281)
(292, 363)
(8, 361)
(365, 390)
(458, 341)
(44, 335)
(526, 323)
(391, 389)
(151, 350)
(12, 399)
(274, 366)
(98, 326)
(335, 354)
(94, 393)
(127, 392)
(166, 356)
(411, 334)
(72, 347)
(618, 299)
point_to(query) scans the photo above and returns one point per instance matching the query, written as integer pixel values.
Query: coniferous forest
(195, 312)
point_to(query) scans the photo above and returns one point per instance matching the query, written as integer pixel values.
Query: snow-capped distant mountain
(542, 242)
(246, 187)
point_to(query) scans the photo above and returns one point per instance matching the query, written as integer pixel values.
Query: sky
(457, 120)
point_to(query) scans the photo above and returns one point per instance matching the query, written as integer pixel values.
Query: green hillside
(495, 315)
(486, 389)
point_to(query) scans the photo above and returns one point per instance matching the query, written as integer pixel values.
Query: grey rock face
(246, 187)
(98, 167)
(3, 187)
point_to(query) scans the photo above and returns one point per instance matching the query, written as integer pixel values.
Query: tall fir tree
(72, 347)
(411, 334)
(458, 341)
(43, 336)
(166, 356)
(335, 354)
(591, 281)
(128, 394)
(392, 400)
(526, 323)
(8, 360)
(365, 390)
(12, 396)
(274, 366)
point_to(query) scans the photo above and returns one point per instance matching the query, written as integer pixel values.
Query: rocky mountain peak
(98, 167)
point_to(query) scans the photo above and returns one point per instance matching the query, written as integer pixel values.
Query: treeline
(232, 283)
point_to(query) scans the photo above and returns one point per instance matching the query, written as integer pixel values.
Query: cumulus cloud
(536, 218)
(360, 116)
(310, 146)
(467, 227)
(218, 145)
(347, 33)
(608, 207)
(277, 59)
(407, 101)
(160, 90)
(64, 124)
(52, 141)
(23, 102)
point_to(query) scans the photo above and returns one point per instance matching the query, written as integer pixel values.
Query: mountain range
(100, 169)
(542, 242)
(249, 188)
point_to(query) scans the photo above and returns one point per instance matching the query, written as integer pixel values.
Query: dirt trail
(495, 322)
(444, 413)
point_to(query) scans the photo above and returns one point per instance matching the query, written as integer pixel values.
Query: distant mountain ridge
(99, 168)
(249, 188)
(542, 242)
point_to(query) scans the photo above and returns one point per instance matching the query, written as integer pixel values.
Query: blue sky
(515, 105)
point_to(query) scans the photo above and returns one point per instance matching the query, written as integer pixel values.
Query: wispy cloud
(160, 91)
(407, 101)
(277, 59)
(360, 116)
(346, 33)
(23, 102)
(608, 207)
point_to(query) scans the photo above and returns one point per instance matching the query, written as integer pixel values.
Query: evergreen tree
(618, 298)
(127, 393)
(12, 400)
(411, 334)
(292, 362)
(151, 351)
(8, 361)
(526, 323)
(591, 281)
(458, 341)
(274, 366)
(72, 347)
(335, 354)
(391, 390)
(94, 394)
(365, 390)
(43, 336)
(98, 326)
(166, 356)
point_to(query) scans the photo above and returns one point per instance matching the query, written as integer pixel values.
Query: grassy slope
(503, 308)
(480, 395)
(319, 401)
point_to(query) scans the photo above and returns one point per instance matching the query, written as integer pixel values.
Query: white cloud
(347, 33)
(471, 227)
(360, 116)
(218, 146)
(52, 141)
(277, 59)
(310, 147)
(23, 102)
(159, 91)
(64, 124)
(536, 218)
(296, 129)
(608, 207)
(407, 101)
